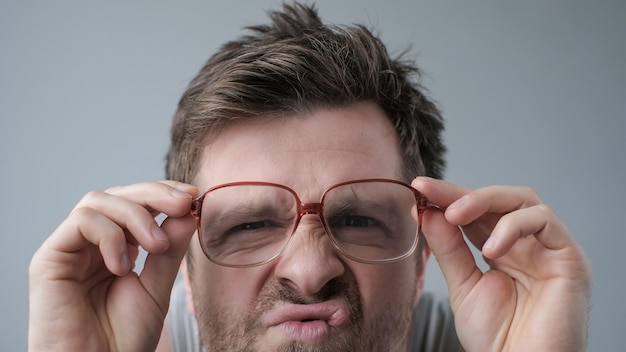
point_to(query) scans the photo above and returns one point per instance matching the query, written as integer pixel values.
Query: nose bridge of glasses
(310, 208)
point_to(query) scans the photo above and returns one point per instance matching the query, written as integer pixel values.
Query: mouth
(308, 323)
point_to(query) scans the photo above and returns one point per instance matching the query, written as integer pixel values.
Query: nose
(310, 260)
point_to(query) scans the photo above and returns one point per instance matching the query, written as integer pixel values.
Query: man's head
(307, 106)
(293, 66)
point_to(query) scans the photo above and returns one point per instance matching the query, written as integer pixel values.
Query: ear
(421, 270)
(188, 292)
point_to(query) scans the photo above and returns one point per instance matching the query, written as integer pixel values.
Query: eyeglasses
(245, 224)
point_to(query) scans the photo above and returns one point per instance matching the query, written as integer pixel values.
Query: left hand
(535, 295)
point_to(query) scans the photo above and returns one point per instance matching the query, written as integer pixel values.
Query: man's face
(310, 298)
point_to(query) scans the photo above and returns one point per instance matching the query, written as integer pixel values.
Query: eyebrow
(346, 207)
(243, 214)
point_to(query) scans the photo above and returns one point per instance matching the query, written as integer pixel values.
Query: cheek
(385, 286)
(219, 286)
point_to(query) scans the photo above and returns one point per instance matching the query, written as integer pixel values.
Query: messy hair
(293, 66)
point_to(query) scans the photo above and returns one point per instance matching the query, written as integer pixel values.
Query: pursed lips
(308, 323)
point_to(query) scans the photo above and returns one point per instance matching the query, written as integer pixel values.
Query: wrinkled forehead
(306, 153)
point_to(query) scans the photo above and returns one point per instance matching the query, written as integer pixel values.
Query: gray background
(533, 93)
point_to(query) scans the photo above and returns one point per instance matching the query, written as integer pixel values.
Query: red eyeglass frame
(312, 208)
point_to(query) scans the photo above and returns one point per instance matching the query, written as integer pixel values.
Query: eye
(254, 227)
(355, 222)
(358, 221)
(250, 226)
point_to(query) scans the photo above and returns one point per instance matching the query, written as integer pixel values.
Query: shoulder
(432, 328)
(182, 326)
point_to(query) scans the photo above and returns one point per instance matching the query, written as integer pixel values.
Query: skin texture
(84, 297)
(81, 276)
(536, 295)
(308, 154)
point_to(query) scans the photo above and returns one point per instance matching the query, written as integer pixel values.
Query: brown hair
(295, 65)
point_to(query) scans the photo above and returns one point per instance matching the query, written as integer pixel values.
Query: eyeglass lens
(248, 224)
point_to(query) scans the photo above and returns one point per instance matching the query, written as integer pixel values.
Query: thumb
(160, 270)
(451, 251)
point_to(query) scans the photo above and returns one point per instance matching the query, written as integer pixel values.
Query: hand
(83, 293)
(535, 296)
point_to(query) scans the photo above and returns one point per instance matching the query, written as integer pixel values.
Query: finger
(443, 194)
(83, 228)
(170, 197)
(185, 187)
(493, 199)
(478, 211)
(160, 270)
(141, 225)
(439, 192)
(478, 232)
(538, 221)
(133, 253)
(452, 253)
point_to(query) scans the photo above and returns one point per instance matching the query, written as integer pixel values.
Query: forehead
(307, 153)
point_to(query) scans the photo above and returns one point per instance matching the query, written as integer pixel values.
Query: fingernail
(424, 179)
(159, 234)
(491, 242)
(176, 193)
(458, 203)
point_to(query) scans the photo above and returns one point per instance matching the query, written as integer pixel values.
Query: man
(291, 158)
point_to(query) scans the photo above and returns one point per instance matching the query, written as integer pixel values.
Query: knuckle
(113, 190)
(507, 223)
(545, 209)
(36, 265)
(90, 197)
(530, 194)
(83, 213)
(527, 190)
(89, 219)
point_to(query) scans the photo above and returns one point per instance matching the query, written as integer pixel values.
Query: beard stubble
(222, 329)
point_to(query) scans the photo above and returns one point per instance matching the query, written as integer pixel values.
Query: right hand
(83, 293)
